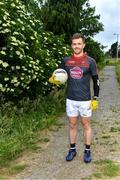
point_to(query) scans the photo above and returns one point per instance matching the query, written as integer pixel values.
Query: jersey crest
(76, 73)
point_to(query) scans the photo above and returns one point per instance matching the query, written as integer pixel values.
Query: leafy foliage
(113, 50)
(28, 54)
(118, 71)
(95, 50)
(19, 126)
(68, 17)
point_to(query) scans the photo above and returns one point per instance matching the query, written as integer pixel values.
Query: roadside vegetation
(118, 71)
(111, 61)
(106, 169)
(19, 124)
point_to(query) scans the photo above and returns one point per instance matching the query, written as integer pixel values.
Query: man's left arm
(96, 85)
(94, 102)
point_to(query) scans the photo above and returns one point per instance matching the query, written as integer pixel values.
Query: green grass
(114, 129)
(11, 170)
(16, 169)
(106, 168)
(87, 178)
(106, 136)
(118, 72)
(19, 125)
(111, 61)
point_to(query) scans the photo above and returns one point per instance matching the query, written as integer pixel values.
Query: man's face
(77, 46)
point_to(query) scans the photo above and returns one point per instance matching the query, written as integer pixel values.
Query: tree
(68, 17)
(95, 50)
(113, 50)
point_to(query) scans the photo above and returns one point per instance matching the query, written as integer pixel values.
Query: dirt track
(50, 163)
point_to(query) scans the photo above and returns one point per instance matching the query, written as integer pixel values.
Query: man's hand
(94, 104)
(53, 81)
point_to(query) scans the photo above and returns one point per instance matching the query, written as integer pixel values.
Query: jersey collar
(80, 57)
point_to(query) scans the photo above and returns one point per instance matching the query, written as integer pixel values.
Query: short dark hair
(77, 36)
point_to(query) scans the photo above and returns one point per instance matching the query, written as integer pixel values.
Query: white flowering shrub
(28, 54)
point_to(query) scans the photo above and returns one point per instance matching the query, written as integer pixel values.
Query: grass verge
(20, 124)
(118, 72)
(111, 61)
(106, 168)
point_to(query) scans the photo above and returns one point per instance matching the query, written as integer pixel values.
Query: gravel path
(50, 163)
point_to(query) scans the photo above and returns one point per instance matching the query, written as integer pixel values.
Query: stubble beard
(78, 52)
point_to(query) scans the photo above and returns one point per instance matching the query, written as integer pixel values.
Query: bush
(28, 54)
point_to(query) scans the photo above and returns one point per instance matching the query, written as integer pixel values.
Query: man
(80, 69)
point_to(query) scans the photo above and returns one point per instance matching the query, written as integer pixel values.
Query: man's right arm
(52, 78)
